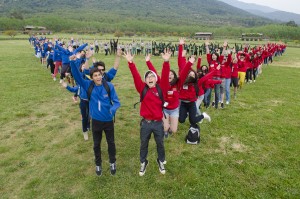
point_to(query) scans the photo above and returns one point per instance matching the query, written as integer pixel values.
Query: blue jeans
(207, 96)
(227, 89)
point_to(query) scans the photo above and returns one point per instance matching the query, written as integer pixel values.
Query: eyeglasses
(150, 76)
(102, 70)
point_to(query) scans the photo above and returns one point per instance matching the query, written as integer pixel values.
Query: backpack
(146, 88)
(105, 84)
(193, 136)
(160, 94)
(91, 87)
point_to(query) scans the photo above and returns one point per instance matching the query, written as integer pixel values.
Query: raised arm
(165, 85)
(139, 84)
(151, 67)
(117, 59)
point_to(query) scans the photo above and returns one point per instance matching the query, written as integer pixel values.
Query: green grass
(250, 150)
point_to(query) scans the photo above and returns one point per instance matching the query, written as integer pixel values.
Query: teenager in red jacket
(187, 95)
(226, 75)
(214, 65)
(243, 59)
(171, 97)
(151, 111)
(234, 74)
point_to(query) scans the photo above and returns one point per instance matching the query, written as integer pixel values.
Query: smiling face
(214, 56)
(171, 76)
(150, 80)
(97, 78)
(192, 74)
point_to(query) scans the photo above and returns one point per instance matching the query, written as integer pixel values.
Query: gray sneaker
(113, 168)
(161, 167)
(98, 170)
(143, 168)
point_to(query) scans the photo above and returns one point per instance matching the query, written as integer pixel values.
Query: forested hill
(128, 12)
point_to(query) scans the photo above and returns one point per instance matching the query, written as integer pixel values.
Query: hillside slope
(192, 12)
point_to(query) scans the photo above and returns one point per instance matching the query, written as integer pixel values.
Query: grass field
(249, 150)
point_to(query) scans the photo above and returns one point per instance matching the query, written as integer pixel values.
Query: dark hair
(205, 70)
(214, 53)
(94, 70)
(175, 80)
(99, 63)
(191, 79)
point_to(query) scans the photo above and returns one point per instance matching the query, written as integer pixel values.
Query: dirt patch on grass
(229, 145)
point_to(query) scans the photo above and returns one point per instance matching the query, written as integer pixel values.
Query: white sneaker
(206, 116)
(85, 136)
(54, 78)
(60, 81)
(227, 102)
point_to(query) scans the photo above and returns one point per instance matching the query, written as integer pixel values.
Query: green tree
(291, 23)
(10, 33)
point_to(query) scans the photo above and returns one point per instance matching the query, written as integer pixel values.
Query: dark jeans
(64, 69)
(51, 64)
(96, 49)
(108, 128)
(147, 127)
(217, 92)
(207, 97)
(84, 110)
(254, 73)
(249, 74)
(190, 108)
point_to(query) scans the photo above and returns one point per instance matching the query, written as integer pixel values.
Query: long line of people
(166, 99)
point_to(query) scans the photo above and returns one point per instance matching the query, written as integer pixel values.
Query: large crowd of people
(166, 99)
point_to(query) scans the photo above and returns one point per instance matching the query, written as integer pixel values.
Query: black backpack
(160, 94)
(91, 87)
(193, 136)
(146, 88)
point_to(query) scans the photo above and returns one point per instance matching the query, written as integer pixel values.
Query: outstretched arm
(139, 84)
(151, 67)
(117, 59)
(165, 85)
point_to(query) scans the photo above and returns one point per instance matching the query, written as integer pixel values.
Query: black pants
(64, 70)
(249, 74)
(108, 128)
(51, 64)
(190, 108)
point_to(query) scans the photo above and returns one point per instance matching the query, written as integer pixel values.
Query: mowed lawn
(251, 149)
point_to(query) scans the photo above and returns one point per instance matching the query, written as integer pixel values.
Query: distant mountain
(191, 12)
(265, 11)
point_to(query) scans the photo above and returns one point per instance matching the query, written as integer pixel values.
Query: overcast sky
(284, 5)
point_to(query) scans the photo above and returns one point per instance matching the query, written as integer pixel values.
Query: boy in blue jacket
(102, 110)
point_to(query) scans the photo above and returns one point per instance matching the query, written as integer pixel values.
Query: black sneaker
(166, 135)
(222, 105)
(213, 104)
(143, 168)
(161, 167)
(98, 170)
(113, 168)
